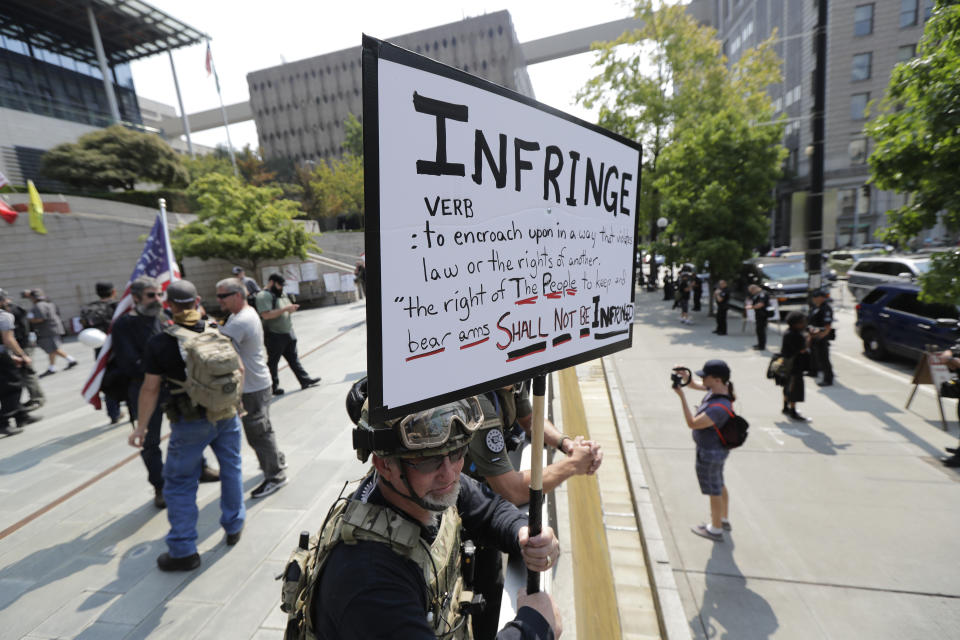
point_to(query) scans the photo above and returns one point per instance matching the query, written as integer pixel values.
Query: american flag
(155, 261)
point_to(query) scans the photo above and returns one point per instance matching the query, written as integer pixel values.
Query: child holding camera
(714, 410)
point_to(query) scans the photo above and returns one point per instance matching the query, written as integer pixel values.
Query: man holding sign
(390, 556)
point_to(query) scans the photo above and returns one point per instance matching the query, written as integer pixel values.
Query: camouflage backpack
(213, 370)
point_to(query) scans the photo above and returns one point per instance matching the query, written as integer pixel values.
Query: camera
(680, 376)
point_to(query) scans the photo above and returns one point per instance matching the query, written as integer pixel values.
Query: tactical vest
(351, 521)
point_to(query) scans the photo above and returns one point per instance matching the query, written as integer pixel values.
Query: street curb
(673, 620)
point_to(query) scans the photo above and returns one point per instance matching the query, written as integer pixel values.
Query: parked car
(890, 319)
(842, 259)
(865, 274)
(785, 280)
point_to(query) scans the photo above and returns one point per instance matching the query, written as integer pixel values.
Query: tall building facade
(865, 40)
(300, 107)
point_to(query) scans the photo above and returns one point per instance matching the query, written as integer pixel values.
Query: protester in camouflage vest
(369, 587)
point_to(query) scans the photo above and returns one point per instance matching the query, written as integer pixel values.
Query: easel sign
(500, 236)
(932, 369)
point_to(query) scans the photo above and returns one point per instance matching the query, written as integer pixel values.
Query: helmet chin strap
(412, 495)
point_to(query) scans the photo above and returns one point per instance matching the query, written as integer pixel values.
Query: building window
(927, 9)
(906, 52)
(908, 13)
(858, 151)
(863, 20)
(858, 106)
(861, 66)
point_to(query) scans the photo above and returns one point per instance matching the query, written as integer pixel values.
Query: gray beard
(150, 309)
(448, 500)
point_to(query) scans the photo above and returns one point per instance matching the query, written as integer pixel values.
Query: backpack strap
(715, 427)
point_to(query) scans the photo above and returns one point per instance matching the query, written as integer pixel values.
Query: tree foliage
(917, 143)
(337, 188)
(115, 157)
(241, 223)
(353, 136)
(717, 176)
(707, 164)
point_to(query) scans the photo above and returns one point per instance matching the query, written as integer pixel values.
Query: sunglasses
(227, 295)
(430, 464)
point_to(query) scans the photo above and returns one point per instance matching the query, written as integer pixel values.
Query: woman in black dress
(796, 356)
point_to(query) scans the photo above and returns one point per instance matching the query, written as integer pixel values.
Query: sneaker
(233, 538)
(757, 347)
(793, 415)
(10, 430)
(24, 418)
(33, 405)
(825, 383)
(209, 474)
(48, 372)
(726, 525)
(268, 486)
(72, 364)
(277, 391)
(282, 458)
(702, 531)
(309, 382)
(187, 563)
(158, 500)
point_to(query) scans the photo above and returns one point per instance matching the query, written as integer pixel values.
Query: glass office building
(52, 84)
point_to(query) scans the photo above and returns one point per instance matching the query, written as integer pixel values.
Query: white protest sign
(331, 282)
(347, 282)
(308, 271)
(938, 370)
(500, 237)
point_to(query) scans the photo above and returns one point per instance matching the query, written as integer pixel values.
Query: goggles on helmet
(432, 428)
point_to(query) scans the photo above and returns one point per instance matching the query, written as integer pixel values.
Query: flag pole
(223, 111)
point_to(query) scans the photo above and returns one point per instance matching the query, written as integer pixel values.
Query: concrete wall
(102, 240)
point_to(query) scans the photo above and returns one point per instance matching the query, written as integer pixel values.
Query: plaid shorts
(710, 470)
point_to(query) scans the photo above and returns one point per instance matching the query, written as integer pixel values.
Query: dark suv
(890, 319)
(783, 279)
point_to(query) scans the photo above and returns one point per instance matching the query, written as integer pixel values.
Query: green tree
(115, 157)
(241, 223)
(716, 178)
(706, 165)
(917, 144)
(216, 162)
(353, 136)
(336, 189)
(649, 79)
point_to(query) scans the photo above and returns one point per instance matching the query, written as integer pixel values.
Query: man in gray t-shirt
(46, 322)
(245, 329)
(12, 361)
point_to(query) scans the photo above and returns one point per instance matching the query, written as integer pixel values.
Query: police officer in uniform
(393, 568)
(722, 297)
(821, 332)
(488, 462)
(760, 303)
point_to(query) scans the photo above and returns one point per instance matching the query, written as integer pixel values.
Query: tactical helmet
(431, 432)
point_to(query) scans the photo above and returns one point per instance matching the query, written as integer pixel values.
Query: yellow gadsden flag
(36, 209)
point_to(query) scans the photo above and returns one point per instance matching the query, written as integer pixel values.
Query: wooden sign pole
(536, 472)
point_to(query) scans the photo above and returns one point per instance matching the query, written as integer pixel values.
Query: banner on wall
(500, 234)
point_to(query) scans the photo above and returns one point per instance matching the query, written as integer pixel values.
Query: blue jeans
(181, 475)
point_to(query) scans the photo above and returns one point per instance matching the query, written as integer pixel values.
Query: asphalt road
(843, 527)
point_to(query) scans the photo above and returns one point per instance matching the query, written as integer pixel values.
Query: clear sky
(248, 35)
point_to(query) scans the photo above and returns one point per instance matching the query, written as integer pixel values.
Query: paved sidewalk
(87, 567)
(844, 527)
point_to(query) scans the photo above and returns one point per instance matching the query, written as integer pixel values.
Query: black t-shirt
(367, 591)
(129, 337)
(162, 355)
(793, 343)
